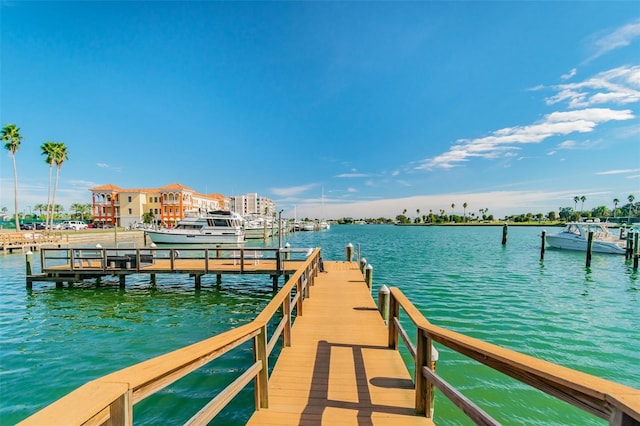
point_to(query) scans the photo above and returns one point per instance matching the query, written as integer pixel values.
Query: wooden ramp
(338, 369)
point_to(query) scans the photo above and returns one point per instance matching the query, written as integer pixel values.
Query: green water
(54, 340)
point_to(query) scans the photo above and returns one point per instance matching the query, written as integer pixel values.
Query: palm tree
(452, 207)
(48, 149)
(39, 208)
(60, 156)
(11, 137)
(631, 198)
(583, 199)
(464, 206)
(418, 213)
(615, 206)
(575, 202)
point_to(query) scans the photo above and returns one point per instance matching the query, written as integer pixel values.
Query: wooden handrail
(110, 399)
(608, 400)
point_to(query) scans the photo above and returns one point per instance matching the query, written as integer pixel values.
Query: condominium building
(112, 205)
(251, 204)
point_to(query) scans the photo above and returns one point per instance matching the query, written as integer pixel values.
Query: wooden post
(286, 333)
(363, 264)
(300, 294)
(422, 396)
(123, 278)
(218, 279)
(505, 231)
(394, 312)
(589, 247)
(262, 379)
(383, 302)
(544, 233)
(29, 260)
(274, 283)
(368, 276)
(197, 280)
(349, 252)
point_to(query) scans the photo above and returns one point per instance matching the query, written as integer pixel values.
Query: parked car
(27, 226)
(73, 224)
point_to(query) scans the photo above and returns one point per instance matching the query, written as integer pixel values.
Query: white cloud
(618, 172)
(293, 190)
(620, 86)
(352, 175)
(503, 140)
(569, 74)
(621, 37)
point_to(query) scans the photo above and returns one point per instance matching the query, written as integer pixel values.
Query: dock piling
(505, 231)
(349, 252)
(383, 302)
(368, 276)
(543, 236)
(589, 247)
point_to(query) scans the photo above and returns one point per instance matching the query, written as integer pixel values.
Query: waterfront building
(125, 207)
(251, 204)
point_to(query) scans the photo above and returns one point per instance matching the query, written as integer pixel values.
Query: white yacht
(215, 227)
(575, 235)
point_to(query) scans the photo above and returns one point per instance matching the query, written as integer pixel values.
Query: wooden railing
(133, 259)
(616, 403)
(109, 400)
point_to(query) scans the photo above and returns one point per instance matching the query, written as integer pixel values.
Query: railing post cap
(29, 253)
(98, 245)
(369, 267)
(287, 245)
(384, 289)
(363, 260)
(349, 245)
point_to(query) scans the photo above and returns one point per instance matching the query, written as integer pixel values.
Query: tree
(11, 137)
(631, 198)
(583, 199)
(39, 208)
(80, 210)
(48, 149)
(615, 205)
(60, 156)
(418, 215)
(452, 207)
(464, 206)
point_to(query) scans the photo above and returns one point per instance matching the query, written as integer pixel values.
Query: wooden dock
(71, 265)
(339, 362)
(339, 369)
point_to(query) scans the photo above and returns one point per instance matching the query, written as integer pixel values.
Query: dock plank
(338, 369)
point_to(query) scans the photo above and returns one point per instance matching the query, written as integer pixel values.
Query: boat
(213, 227)
(575, 235)
(256, 228)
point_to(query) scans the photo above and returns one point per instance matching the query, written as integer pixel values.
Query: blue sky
(334, 109)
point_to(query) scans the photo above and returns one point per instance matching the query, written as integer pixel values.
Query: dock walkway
(339, 369)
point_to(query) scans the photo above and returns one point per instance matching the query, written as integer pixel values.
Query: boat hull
(579, 244)
(169, 237)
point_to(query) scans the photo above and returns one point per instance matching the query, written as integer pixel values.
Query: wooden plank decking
(338, 369)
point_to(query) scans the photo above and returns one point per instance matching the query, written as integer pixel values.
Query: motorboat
(214, 227)
(256, 228)
(575, 236)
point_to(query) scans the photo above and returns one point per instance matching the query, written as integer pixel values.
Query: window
(129, 199)
(130, 211)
